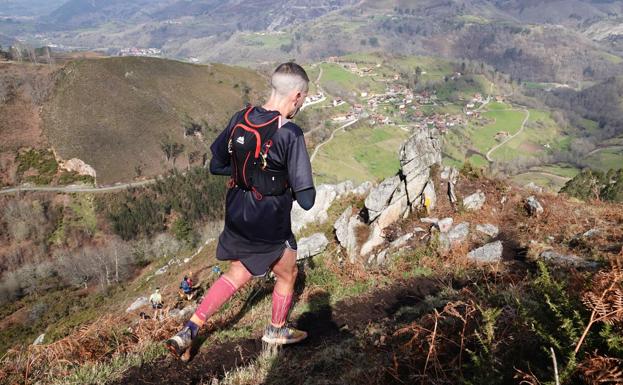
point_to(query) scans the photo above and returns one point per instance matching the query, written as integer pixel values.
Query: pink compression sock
(218, 294)
(281, 307)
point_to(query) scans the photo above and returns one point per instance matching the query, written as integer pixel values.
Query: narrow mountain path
(331, 138)
(523, 126)
(324, 95)
(327, 324)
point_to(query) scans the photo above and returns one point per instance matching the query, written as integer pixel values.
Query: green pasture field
(606, 159)
(546, 181)
(268, 40)
(562, 169)
(360, 154)
(335, 76)
(540, 130)
(483, 138)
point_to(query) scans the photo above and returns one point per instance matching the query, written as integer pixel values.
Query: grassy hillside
(116, 113)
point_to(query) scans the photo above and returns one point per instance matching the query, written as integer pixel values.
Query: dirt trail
(523, 125)
(326, 325)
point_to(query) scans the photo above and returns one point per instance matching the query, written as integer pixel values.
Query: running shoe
(180, 343)
(283, 335)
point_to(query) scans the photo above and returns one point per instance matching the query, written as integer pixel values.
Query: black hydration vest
(249, 145)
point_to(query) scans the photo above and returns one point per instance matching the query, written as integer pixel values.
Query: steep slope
(116, 114)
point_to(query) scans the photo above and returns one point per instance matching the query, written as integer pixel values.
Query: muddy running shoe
(180, 343)
(283, 335)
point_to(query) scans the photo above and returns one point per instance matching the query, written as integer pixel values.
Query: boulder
(445, 173)
(380, 196)
(325, 195)
(475, 201)
(400, 242)
(432, 221)
(415, 187)
(419, 152)
(375, 239)
(393, 213)
(429, 197)
(445, 224)
(556, 258)
(187, 312)
(378, 259)
(363, 189)
(591, 233)
(344, 188)
(488, 229)
(162, 270)
(457, 234)
(533, 187)
(137, 304)
(39, 340)
(533, 206)
(346, 232)
(78, 166)
(489, 253)
(310, 246)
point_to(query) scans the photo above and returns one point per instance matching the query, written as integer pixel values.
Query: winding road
(523, 125)
(76, 189)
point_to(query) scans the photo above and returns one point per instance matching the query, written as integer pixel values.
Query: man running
(265, 155)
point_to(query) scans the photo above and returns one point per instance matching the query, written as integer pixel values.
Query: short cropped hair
(289, 77)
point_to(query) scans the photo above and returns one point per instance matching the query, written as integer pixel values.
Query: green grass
(604, 160)
(545, 181)
(270, 41)
(483, 138)
(40, 163)
(478, 161)
(101, 373)
(360, 154)
(336, 80)
(564, 170)
(474, 19)
(540, 130)
(612, 58)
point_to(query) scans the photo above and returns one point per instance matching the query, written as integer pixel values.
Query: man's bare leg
(286, 271)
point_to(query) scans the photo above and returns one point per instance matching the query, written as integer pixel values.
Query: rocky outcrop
(311, 246)
(137, 304)
(533, 206)
(78, 166)
(412, 188)
(346, 228)
(326, 194)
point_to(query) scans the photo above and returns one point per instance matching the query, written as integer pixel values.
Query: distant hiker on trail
(186, 287)
(156, 302)
(265, 155)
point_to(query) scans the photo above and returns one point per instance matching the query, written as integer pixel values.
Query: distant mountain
(553, 40)
(28, 7)
(81, 13)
